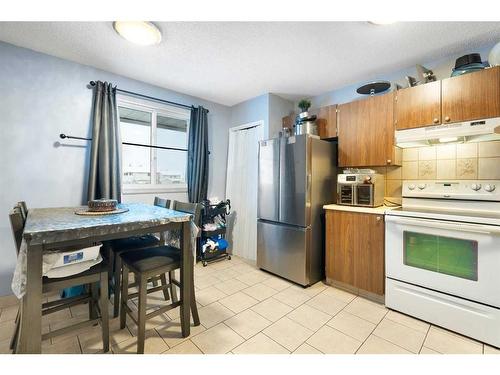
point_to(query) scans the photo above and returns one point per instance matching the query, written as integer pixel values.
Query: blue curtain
(197, 174)
(105, 153)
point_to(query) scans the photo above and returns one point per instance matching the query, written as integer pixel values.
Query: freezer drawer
(284, 251)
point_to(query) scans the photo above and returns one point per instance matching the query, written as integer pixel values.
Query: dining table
(52, 229)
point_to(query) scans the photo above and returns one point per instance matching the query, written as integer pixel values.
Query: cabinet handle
(447, 118)
(379, 218)
(389, 161)
(436, 120)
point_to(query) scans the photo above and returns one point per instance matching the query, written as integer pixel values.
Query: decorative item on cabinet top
(468, 64)
(373, 88)
(425, 75)
(494, 56)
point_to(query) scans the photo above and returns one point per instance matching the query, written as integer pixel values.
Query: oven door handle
(474, 228)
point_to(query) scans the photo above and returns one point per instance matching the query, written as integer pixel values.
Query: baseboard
(360, 292)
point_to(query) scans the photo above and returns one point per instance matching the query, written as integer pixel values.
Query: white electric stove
(442, 255)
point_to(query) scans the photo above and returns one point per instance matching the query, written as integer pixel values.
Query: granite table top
(51, 225)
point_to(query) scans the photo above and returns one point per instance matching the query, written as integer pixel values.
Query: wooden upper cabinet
(366, 132)
(471, 96)
(327, 121)
(418, 106)
(288, 121)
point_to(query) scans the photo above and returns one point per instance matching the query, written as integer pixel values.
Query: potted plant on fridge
(304, 105)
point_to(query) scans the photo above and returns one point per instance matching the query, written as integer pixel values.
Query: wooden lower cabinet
(355, 251)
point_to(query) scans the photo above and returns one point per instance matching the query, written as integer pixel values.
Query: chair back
(24, 209)
(17, 220)
(190, 208)
(161, 202)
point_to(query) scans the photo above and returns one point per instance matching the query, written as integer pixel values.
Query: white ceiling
(228, 62)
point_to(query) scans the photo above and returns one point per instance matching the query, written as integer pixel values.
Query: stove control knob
(475, 187)
(422, 186)
(411, 187)
(489, 188)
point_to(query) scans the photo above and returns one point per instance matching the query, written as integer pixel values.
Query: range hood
(471, 131)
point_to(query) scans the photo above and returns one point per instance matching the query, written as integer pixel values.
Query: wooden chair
(161, 202)
(151, 262)
(195, 210)
(93, 277)
(116, 247)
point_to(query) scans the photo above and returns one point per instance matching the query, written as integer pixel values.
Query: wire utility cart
(213, 234)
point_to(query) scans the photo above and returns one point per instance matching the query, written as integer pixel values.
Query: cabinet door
(369, 274)
(471, 96)
(340, 228)
(418, 106)
(327, 121)
(288, 121)
(366, 132)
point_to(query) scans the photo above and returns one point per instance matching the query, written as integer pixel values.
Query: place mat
(86, 212)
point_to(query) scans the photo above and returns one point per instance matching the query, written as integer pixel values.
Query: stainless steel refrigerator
(297, 176)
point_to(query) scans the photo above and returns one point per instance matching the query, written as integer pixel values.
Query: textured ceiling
(228, 62)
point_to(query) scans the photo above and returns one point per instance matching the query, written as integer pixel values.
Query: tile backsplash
(467, 161)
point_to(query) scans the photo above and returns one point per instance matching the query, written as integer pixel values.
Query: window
(152, 169)
(451, 256)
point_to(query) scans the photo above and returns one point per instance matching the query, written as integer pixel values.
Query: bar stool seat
(147, 260)
(133, 243)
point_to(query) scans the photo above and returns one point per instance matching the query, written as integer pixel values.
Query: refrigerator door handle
(309, 183)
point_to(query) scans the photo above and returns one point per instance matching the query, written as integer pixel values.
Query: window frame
(155, 108)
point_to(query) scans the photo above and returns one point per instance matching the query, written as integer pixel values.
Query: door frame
(247, 126)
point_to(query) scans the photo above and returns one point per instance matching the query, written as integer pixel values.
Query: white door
(241, 187)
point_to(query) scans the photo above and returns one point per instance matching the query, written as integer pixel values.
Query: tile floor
(244, 310)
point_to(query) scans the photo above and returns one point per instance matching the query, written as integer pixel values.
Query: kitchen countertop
(367, 210)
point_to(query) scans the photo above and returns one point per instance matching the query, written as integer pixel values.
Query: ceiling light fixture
(381, 22)
(139, 32)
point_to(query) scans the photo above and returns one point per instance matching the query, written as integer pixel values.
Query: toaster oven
(360, 189)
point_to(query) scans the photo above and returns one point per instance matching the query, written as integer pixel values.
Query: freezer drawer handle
(455, 226)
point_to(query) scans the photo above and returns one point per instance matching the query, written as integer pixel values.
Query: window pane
(451, 256)
(171, 164)
(135, 127)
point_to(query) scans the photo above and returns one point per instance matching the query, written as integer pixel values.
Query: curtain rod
(93, 83)
(63, 136)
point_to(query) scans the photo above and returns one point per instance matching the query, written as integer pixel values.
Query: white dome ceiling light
(138, 32)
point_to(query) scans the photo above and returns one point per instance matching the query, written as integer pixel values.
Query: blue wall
(42, 96)
(251, 110)
(269, 108)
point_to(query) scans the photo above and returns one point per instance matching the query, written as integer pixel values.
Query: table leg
(186, 271)
(31, 319)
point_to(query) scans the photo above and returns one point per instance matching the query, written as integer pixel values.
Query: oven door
(460, 259)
